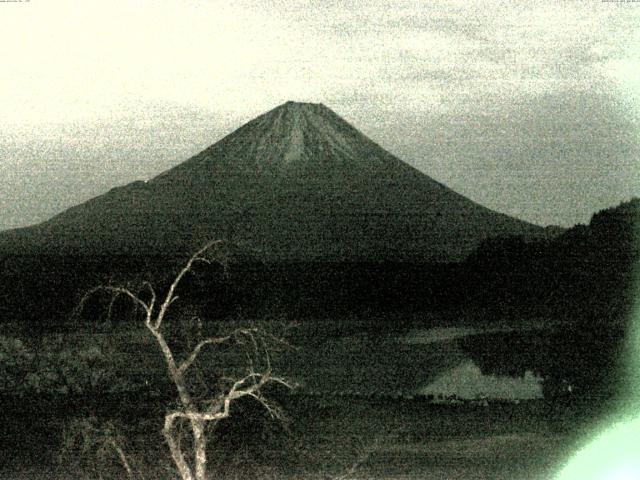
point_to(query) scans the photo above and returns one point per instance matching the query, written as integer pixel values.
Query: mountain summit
(297, 183)
(294, 140)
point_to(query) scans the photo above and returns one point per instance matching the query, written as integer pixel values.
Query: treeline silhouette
(585, 280)
(584, 275)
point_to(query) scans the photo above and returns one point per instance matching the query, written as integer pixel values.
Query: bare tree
(198, 412)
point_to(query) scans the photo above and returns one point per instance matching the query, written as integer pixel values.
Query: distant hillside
(589, 272)
(581, 286)
(297, 183)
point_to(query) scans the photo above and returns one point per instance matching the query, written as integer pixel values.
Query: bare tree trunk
(176, 451)
(200, 446)
(174, 373)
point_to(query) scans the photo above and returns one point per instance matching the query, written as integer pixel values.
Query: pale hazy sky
(530, 108)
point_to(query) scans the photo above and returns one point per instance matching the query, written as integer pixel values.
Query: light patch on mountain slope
(295, 140)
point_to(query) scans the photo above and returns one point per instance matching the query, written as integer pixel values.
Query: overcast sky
(530, 108)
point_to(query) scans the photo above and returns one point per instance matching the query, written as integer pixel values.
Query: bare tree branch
(237, 333)
(152, 302)
(116, 291)
(196, 351)
(362, 458)
(170, 294)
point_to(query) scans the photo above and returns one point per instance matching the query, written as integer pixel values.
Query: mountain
(297, 183)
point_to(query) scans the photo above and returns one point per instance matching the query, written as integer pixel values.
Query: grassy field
(324, 438)
(352, 417)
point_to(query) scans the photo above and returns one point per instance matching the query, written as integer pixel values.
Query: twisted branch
(169, 299)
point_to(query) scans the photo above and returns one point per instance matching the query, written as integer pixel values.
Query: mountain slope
(297, 183)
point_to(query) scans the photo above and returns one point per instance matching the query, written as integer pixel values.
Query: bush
(56, 368)
(16, 362)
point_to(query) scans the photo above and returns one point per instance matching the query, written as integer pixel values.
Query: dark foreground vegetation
(324, 438)
(347, 418)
